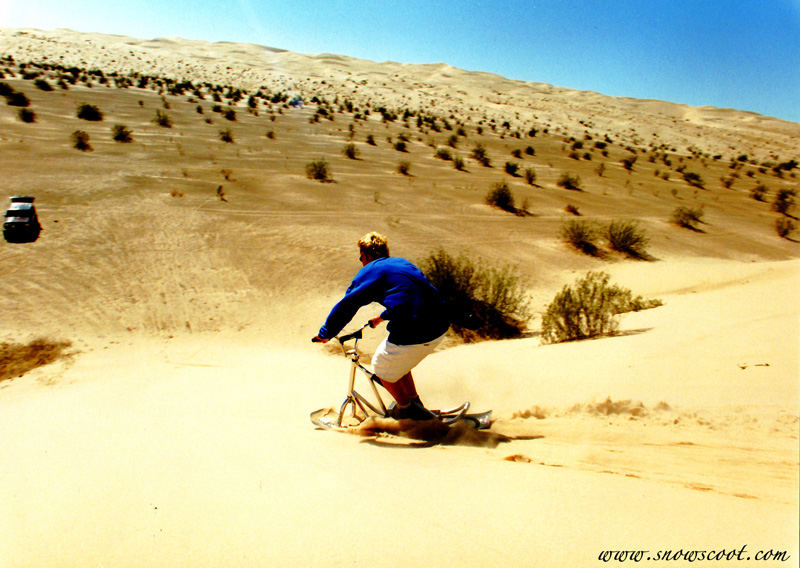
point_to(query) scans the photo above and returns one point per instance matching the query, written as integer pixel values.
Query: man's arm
(360, 293)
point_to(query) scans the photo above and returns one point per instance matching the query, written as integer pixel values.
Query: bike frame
(354, 399)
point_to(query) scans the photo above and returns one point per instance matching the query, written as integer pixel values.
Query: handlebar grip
(316, 340)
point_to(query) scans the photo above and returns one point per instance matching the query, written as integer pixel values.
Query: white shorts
(391, 362)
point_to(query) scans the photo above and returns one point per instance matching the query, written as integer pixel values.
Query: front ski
(327, 419)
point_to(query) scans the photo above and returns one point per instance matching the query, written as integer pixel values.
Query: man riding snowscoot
(415, 312)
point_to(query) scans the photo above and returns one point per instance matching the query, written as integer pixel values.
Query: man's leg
(403, 390)
(409, 405)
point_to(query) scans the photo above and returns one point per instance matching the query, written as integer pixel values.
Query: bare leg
(403, 390)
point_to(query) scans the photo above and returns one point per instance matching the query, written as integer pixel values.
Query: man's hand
(375, 322)
(318, 339)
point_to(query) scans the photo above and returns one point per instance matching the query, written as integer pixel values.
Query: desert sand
(176, 433)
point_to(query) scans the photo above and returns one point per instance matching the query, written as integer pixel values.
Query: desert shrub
(572, 210)
(687, 217)
(89, 112)
(759, 192)
(458, 163)
(80, 140)
(483, 302)
(371, 140)
(582, 235)
(120, 133)
(42, 85)
(318, 170)
(628, 161)
(5, 89)
(628, 238)
(480, 155)
(16, 359)
(162, 119)
(569, 181)
(271, 134)
(452, 141)
(17, 99)
(500, 196)
(404, 167)
(226, 135)
(693, 179)
(401, 146)
(530, 176)
(27, 115)
(229, 114)
(444, 154)
(784, 201)
(512, 168)
(784, 227)
(589, 309)
(350, 151)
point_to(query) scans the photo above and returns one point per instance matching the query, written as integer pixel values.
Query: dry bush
(89, 112)
(162, 119)
(784, 227)
(569, 181)
(589, 309)
(80, 140)
(500, 196)
(350, 151)
(121, 133)
(16, 359)
(688, 217)
(628, 238)
(484, 302)
(318, 170)
(582, 235)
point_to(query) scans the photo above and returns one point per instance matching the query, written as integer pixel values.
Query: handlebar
(343, 338)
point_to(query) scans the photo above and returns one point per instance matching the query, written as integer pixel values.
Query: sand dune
(177, 432)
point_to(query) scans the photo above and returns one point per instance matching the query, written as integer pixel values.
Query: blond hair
(374, 245)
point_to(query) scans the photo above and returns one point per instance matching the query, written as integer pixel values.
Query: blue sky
(742, 54)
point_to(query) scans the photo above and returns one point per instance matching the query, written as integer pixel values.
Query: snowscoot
(360, 406)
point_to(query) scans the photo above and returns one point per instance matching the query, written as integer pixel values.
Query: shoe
(414, 411)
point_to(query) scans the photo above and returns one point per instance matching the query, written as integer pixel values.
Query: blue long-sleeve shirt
(413, 307)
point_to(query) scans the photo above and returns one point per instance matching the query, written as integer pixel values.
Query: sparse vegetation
(27, 115)
(500, 196)
(350, 151)
(89, 112)
(759, 192)
(694, 179)
(444, 154)
(162, 119)
(120, 133)
(480, 155)
(589, 309)
(628, 162)
(42, 85)
(318, 170)
(569, 181)
(583, 235)
(226, 135)
(80, 140)
(484, 302)
(784, 227)
(627, 237)
(17, 99)
(530, 176)
(404, 167)
(16, 359)
(784, 201)
(688, 217)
